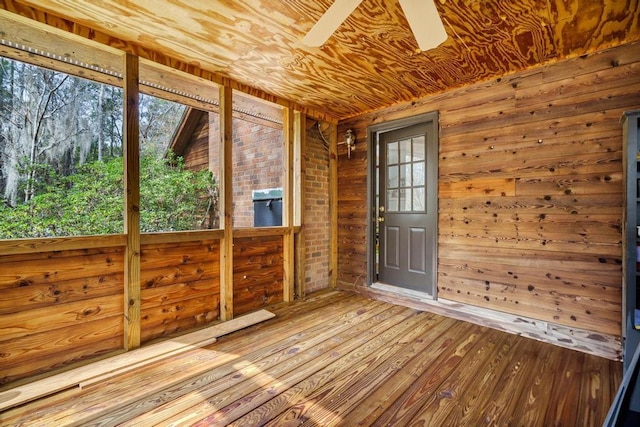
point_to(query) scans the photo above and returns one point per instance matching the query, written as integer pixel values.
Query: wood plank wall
(530, 190)
(180, 287)
(196, 152)
(59, 307)
(257, 273)
(76, 296)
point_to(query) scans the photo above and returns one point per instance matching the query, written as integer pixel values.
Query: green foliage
(61, 170)
(91, 200)
(171, 197)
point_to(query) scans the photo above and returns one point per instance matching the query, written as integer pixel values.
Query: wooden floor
(342, 359)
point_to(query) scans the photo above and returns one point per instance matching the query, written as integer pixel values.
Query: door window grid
(405, 176)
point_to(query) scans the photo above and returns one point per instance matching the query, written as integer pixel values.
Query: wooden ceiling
(372, 61)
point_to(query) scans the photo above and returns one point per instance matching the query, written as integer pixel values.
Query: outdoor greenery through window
(173, 196)
(61, 164)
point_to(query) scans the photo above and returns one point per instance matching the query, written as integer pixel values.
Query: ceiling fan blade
(425, 22)
(330, 21)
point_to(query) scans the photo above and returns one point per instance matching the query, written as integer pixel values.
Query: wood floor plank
(565, 393)
(536, 394)
(503, 409)
(146, 355)
(333, 316)
(224, 362)
(317, 301)
(438, 356)
(436, 408)
(271, 400)
(615, 377)
(482, 389)
(339, 358)
(321, 407)
(299, 312)
(224, 391)
(98, 372)
(115, 394)
(594, 388)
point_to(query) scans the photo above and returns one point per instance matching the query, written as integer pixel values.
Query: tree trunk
(99, 127)
(40, 118)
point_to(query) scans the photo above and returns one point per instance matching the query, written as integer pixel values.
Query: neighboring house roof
(191, 124)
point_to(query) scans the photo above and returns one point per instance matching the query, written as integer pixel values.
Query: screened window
(61, 154)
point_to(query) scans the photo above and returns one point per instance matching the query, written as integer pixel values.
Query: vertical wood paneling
(530, 190)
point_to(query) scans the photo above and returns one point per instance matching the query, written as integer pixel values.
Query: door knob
(380, 219)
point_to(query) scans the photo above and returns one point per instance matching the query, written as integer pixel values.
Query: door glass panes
(392, 200)
(392, 153)
(392, 176)
(406, 175)
(405, 151)
(405, 199)
(418, 148)
(418, 199)
(418, 173)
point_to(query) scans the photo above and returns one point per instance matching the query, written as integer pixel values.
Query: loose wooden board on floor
(95, 372)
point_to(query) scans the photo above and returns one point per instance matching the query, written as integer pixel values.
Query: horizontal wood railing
(62, 299)
(49, 244)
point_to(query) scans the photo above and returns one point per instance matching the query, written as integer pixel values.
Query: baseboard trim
(598, 344)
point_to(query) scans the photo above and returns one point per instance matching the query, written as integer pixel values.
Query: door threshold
(397, 290)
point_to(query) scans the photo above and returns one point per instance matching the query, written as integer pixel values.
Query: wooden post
(333, 207)
(131, 203)
(287, 208)
(299, 150)
(226, 203)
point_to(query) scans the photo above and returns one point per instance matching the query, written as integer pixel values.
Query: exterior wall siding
(530, 190)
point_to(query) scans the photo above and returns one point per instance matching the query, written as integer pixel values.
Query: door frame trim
(373, 133)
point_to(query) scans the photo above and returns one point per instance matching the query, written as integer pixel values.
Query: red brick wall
(316, 211)
(257, 162)
(257, 165)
